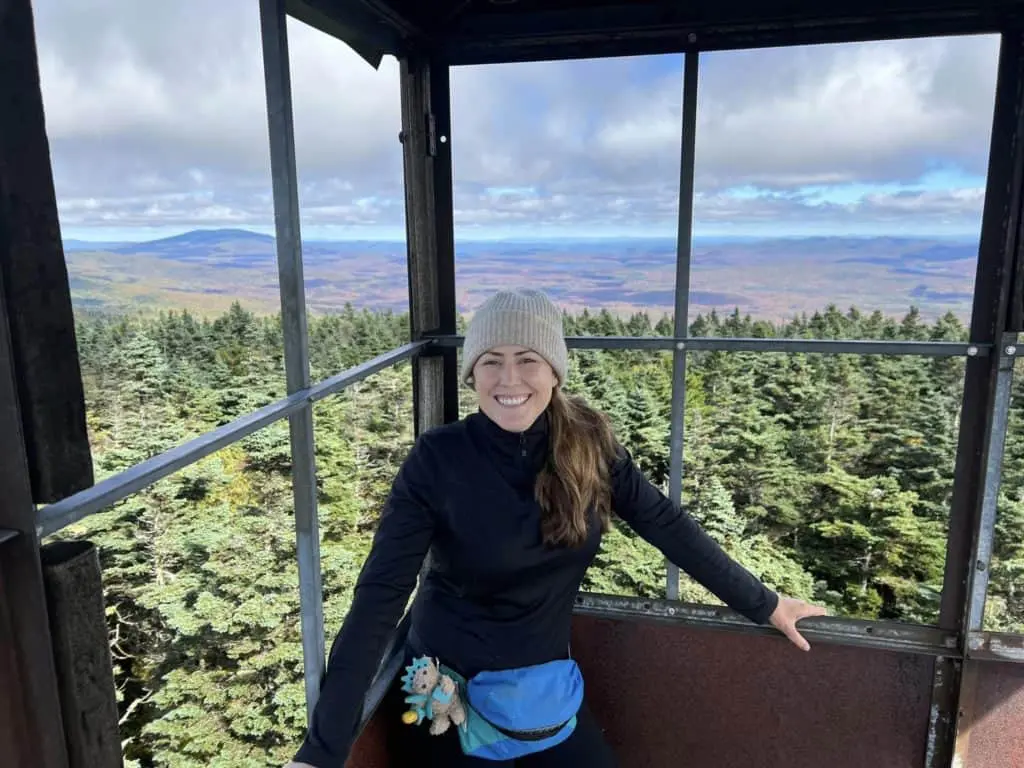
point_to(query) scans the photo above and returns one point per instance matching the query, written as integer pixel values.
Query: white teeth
(511, 402)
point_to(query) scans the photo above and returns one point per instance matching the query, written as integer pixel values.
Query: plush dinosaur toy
(434, 696)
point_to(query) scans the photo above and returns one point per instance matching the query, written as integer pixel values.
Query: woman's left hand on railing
(788, 612)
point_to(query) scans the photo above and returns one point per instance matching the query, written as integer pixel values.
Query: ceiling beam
(385, 11)
(620, 30)
(369, 27)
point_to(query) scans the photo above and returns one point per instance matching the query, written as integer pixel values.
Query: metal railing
(771, 344)
(113, 489)
(845, 631)
(55, 517)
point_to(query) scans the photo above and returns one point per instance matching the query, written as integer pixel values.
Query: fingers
(808, 611)
(790, 630)
(789, 612)
(801, 610)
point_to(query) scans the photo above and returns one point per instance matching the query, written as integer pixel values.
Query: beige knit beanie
(521, 316)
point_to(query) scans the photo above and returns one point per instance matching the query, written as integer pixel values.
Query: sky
(156, 116)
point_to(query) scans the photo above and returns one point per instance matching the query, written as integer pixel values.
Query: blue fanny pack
(515, 712)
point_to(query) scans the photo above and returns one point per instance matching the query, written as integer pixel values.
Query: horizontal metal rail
(6, 534)
(878, 635)
(792, 346)
(995, 646)
(60, 514)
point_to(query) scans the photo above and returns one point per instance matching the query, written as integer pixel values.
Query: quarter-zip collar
(521, 452)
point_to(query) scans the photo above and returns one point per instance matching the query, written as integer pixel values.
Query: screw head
(972, 351)
(680, 345)
(1011, 350)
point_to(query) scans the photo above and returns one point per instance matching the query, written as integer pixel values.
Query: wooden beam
(532, 32)
(40, 318)
(31, 726)
(426, 144)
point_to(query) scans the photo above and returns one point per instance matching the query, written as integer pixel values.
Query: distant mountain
(222, 247)
(202, 240)
(774, 279)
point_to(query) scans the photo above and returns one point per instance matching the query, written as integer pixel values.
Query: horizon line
(536, 238)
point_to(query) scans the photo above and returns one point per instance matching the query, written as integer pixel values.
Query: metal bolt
(972, 351)
(1011, 350)
(692, 37)
(981, 565)
(680, 345)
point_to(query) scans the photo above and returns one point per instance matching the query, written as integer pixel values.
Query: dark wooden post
(31, 726)
(44, 450)
(427, 153)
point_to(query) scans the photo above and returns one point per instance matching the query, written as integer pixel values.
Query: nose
(509, 373)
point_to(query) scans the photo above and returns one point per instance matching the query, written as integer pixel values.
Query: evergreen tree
(829, 477)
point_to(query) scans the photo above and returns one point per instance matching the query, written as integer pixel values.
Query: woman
(510, 502)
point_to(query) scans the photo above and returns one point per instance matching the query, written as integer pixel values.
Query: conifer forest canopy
(829, 476)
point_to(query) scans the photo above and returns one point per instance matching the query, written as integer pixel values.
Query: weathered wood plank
(42, 331)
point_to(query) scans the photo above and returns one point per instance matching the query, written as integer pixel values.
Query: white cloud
(869, 112)
(905, 212)
(156, 115)
(184, 91)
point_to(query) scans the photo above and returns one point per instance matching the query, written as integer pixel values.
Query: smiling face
(513, 386)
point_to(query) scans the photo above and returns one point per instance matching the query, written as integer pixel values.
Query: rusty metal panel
(669, 695)
(994, 738)
(370, 750)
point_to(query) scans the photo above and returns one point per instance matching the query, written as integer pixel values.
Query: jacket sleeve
(678, 536)
(381, 593)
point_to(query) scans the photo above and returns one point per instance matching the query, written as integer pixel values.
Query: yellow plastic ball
(409, 717)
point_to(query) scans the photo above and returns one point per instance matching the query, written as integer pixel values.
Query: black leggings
(413, 747)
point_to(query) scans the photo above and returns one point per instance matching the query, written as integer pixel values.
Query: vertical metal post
(273, 19)
(684, 248)
(426, 151)
(995, 270)
(984, 412)
(981, 562)
(984, 539)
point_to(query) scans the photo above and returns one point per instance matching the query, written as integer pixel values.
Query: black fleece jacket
(494, 597)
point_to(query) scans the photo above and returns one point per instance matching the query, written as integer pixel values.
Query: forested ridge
(828, 476)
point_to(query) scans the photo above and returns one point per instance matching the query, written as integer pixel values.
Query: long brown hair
(577, 475)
